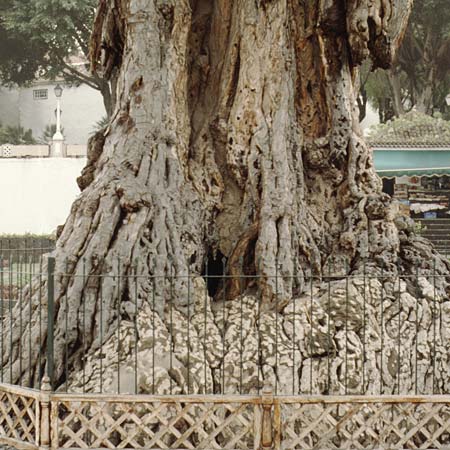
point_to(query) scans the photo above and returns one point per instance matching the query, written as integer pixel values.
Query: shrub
(16, 136)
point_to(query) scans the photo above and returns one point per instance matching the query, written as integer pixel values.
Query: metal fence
(24, 250)
(358, 334)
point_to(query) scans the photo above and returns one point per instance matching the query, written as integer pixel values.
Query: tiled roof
(408, 145)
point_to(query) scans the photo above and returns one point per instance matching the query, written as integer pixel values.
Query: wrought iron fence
(343, 334)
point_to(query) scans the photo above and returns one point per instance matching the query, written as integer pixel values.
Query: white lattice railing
(20, 411)
(210, 422)
(364, 422)
(31, 419)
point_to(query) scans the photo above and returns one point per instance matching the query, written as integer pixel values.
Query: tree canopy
(420, 76)
(39, 38)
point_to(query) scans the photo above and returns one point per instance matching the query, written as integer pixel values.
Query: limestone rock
(341, 336)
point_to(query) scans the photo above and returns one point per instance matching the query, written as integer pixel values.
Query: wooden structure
(417, 176)
(31, 419)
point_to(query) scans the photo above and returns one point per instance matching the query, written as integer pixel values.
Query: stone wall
(40, 151)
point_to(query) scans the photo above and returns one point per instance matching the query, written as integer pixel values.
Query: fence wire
(344, 334)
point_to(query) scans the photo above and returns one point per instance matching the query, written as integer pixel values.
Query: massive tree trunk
(235, 134)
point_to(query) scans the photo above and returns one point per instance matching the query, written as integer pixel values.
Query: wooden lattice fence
(20, 417)
(387, 422)
(155, 422)
(31, 419)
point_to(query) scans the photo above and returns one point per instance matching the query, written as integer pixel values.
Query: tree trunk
(386, 109)
(425, 97)
(235, 133)
(394, 82)
(107, 95)
(362, 104)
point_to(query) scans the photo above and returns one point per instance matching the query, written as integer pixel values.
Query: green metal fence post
(50, 318)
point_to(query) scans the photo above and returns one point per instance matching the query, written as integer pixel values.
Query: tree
(16, 54)
(420, 76)
(424, 56)
(235, 134)
(40, 38)
(375, 87)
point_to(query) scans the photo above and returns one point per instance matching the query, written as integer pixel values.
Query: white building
(34, 108)
(38, 191)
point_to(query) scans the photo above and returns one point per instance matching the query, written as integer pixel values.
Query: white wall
(9, 106)
(81, 108)
(36, 194)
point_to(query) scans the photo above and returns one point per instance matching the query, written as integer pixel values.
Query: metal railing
(17, 252)
(301, 343)
(344, 334)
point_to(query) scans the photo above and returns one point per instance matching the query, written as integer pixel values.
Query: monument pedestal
(58, 148)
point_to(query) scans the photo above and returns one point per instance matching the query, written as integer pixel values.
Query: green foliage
(380, 95)
(426, 48)
(102, 123)
(20, 60)
(411, 128)
(421, 74)
(16, 136)
(376, 88)
(427, 13)
(419, 228)
(40, 38)
(53, 28)
(48, 133)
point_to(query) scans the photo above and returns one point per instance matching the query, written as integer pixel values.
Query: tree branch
(90, 81)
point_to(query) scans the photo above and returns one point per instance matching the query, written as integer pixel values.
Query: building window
(40, 94)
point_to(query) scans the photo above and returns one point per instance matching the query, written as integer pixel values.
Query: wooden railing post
(266, 426)
(44, 432)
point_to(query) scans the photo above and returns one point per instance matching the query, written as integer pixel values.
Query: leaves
(16, 136)
(422, 68)
(46, 39)
(47, 134)
(100, 125)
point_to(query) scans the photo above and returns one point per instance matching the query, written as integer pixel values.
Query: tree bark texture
(235, 133)
(249, 108)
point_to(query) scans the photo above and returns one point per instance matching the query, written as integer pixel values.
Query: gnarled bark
(235, 132)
